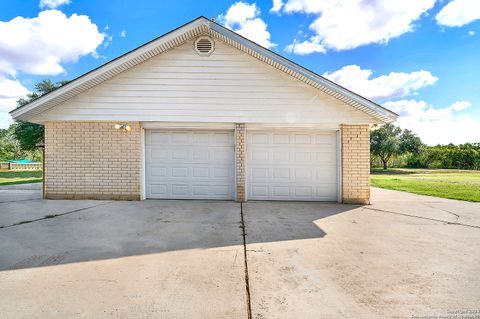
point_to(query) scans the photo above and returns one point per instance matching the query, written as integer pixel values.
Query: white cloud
(108, 40)
(243, 18)
(123, 34)
(52, 4)
(393, 85)
(42, 44)
(458, 13)
(450, 124)
(305, 47)
(10, 92)
(471, 33)
(347, 24)
(277, 6)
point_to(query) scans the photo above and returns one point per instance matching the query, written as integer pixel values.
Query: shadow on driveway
(80, 231)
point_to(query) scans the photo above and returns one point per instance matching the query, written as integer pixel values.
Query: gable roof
(177, 37)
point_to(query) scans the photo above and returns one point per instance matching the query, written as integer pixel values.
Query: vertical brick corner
(92, 160)
(356, 164)
(240, 135)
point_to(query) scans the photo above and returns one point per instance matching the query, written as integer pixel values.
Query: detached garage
(203, 113)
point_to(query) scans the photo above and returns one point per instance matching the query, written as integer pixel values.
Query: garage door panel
(201, 138)
(258, 138)
(326, 191)
(327, 175)
(288, 192)
(180, 172)
(158, 154)
(159, 189)
(292, 166)
(302, 156)
(189, 164)
(280, 156)
(200, 190)
(174, 155)
(201, 172)
(304, 191)
(325, 157)
(194, 173)
(282, 191)
(281, 173)
(222, 154)
(180, 155)
(258, 155)
(222, 172)
(201, 155)
(157, 137)
(281, 139)
(300, 139)
(180, 190)
(259, 190)
(322, 139)
(303, 173)
(159, 171)
(180, 138)
(223, 139)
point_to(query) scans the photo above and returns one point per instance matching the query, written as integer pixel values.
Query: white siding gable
(227, 86)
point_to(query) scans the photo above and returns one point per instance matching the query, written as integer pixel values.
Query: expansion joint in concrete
(245, 263)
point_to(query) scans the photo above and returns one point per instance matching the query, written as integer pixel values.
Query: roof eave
(387, 115)
(379, 112)
(18, 112)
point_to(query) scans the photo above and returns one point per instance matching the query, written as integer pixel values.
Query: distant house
(203, 113)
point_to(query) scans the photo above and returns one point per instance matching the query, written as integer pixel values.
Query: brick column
(240, 135)
(356, 164)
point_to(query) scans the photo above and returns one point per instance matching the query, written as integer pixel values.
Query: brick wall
(92, 160)
(356, 164)
(240, 134)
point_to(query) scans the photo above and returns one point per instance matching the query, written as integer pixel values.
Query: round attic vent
(204, 46)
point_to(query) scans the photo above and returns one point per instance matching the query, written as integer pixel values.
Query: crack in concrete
(50, 216)
(20, 200)
(446, 222)
(457, 217)
(245, 262)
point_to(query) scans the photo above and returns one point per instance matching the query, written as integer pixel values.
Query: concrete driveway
(403, 256)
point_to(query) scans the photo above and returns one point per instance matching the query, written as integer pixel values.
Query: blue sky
(419, 58)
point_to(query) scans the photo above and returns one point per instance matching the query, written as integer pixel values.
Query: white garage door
(189, 164)
(292, 166)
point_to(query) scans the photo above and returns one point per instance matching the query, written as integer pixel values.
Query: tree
(385, 142)
(410, 143)
(29, 134)
(9, 146)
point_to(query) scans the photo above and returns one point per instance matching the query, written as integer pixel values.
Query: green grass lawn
(454, 184)
(20, 177)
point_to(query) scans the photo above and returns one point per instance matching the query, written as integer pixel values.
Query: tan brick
(92, 160)
(356, 164)
(240, 135)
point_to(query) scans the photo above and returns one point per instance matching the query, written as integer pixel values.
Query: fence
(35, 166)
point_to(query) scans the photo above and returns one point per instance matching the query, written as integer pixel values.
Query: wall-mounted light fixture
(124, 127)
